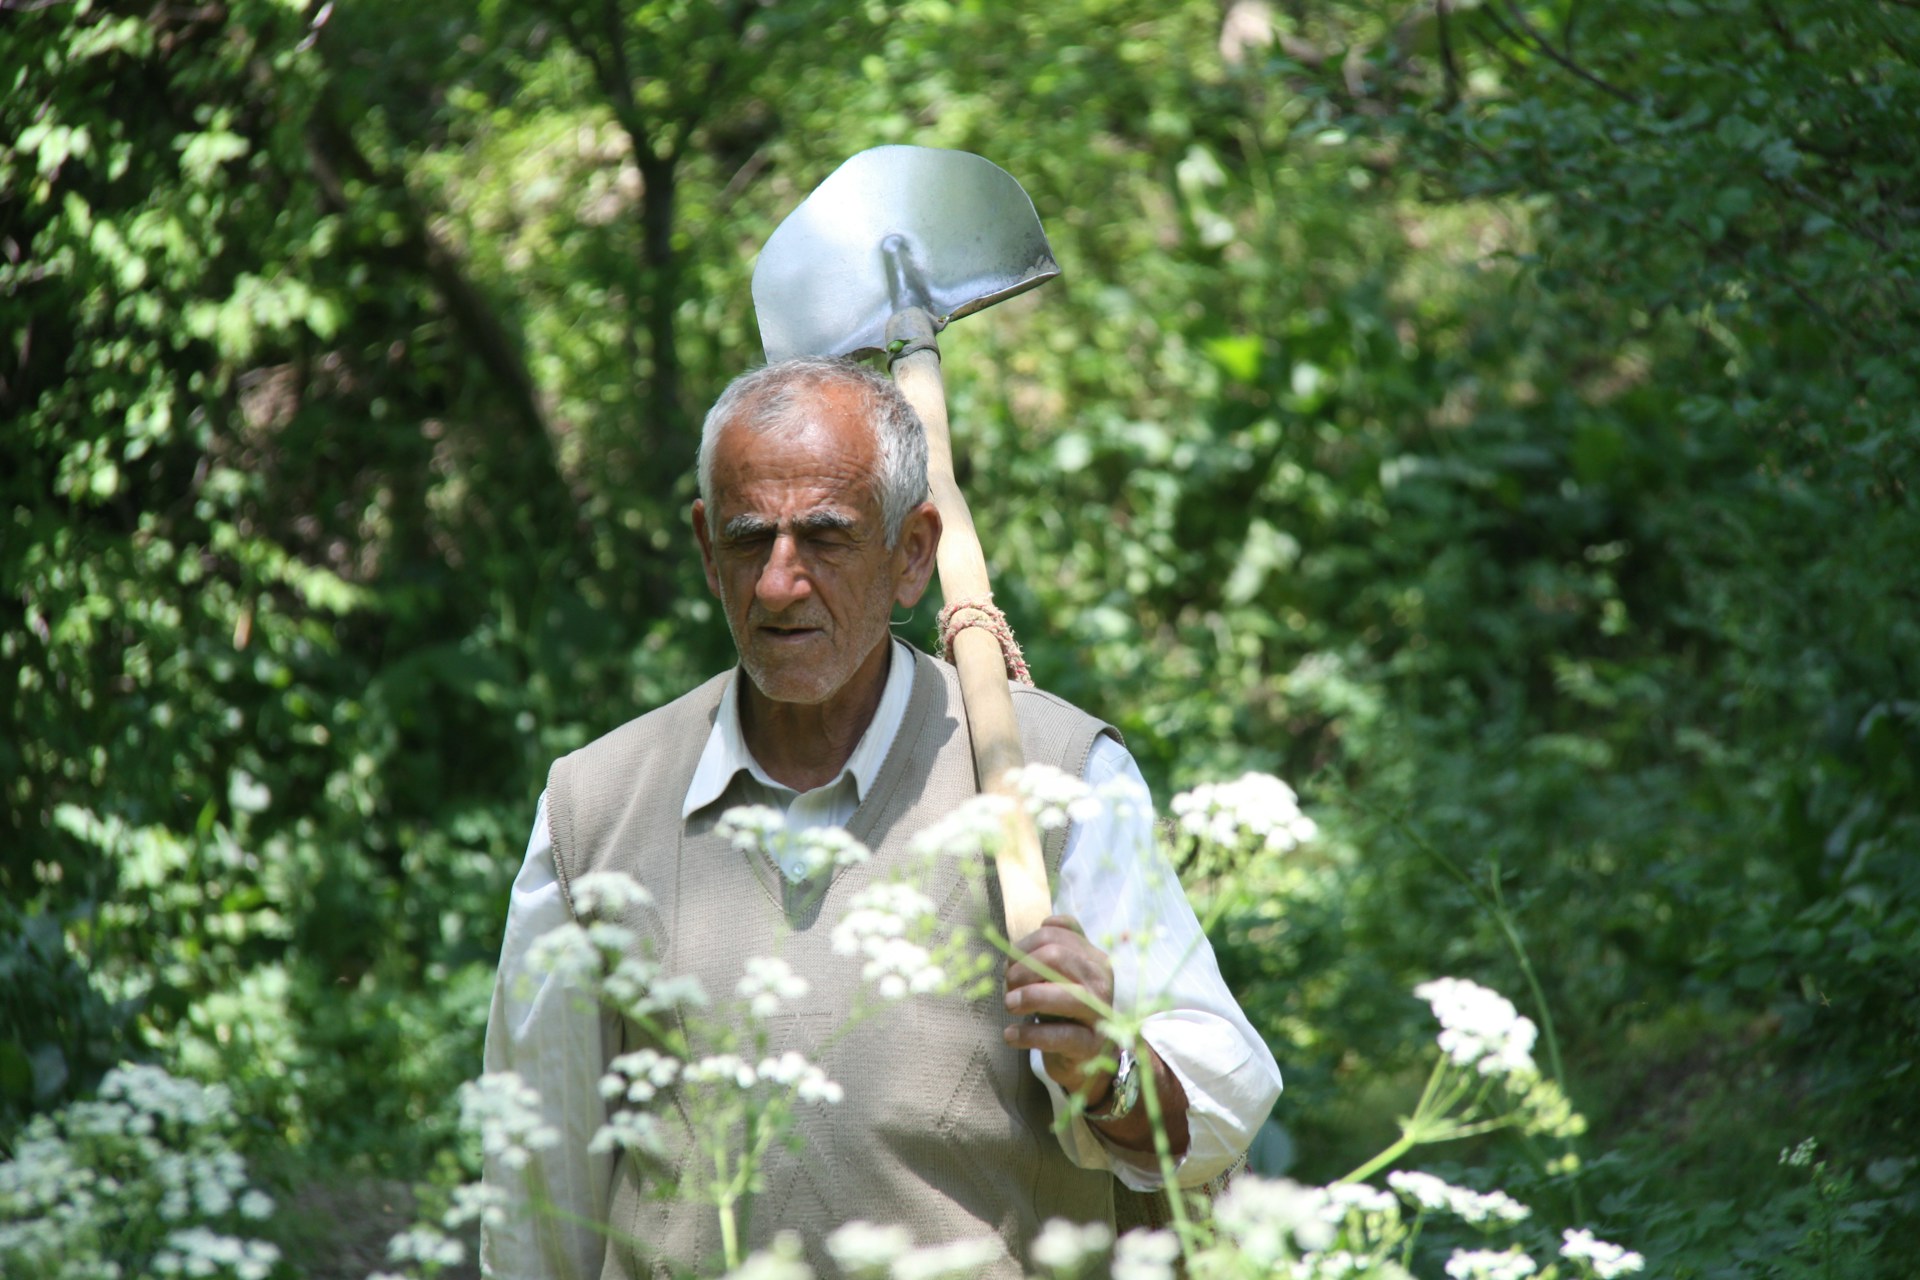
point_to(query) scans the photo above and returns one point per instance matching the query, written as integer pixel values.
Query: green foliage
(1497, 418)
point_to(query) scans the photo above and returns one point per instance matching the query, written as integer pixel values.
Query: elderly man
(812, 524)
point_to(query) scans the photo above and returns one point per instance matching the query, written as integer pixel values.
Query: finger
(1088, 971)
(1068, 923)
(1050, 934)
(1059, 1000)
(1064, 955)
(1073, 1041)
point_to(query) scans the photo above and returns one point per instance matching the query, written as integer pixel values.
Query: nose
(784, 579)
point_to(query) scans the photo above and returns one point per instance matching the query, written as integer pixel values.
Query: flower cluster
(1067, 1246)
(1606, 1260)
(505, 1111)
(1053, 796)
(1475, 1207)
(878, 925)
(1480, 1027)
(608, 893)
(1271, 1220)
(1145, 1255)
(428, 1245)
(767, 982)
(200, 1251)
(974, 830)
(635, 1131)
(638, 1076)
(790, 1070)
(1485, 1264)
(954, 1258)
(802, 854)
(784, 1259)
(862, 1248)
(1257, 809)
(152, 1146)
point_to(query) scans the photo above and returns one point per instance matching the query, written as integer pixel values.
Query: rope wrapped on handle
(981, 612)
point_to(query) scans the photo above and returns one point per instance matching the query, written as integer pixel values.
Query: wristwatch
(1125, 1093)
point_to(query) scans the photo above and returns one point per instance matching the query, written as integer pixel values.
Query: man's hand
(1067, 1040)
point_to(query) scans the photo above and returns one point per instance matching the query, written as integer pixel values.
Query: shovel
(896, 243)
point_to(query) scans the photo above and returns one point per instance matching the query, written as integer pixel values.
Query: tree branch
(1449, 67)
(331, 151)
(1534, 40)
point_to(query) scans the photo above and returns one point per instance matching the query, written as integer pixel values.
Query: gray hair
(775, 396)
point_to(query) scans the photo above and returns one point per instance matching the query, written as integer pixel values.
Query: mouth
(783, 634)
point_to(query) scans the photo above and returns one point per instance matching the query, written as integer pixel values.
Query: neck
(804, 746)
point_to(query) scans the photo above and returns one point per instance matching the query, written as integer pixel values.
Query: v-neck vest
(943, 1128)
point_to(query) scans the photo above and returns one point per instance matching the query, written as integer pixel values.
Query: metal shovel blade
(892, 228)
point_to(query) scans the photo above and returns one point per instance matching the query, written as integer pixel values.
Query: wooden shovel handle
(976, 654)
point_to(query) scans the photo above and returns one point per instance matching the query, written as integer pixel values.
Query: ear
(915, 554)
(706, 545)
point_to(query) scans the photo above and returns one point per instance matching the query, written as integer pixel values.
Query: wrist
(1121, 1095)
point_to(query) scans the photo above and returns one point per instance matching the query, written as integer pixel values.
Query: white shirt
(1113, 879)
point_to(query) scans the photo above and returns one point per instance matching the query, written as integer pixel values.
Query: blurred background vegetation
(1499, 419)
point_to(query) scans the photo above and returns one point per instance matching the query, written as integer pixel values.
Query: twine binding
(983, 613)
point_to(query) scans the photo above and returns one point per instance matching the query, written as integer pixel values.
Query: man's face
(795, 548)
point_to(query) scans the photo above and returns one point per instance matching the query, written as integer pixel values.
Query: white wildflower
(1262, 1214)
(1339, 1264)
(973, 830)
(1145, 1255)
(1801, 1156)
(477, 1202)
(426, 1244)
(1256, 809)
(824, 848)
(1065, 1246)
(768, 981)
(879, 911)
(681, 991)
(1485, 1264)
(754, 828)
(152, 1092)
(784, 1259)
(567, 952)
(608, 893)
(630, 982)
(610, 939)
(1480, 1027)
(506, 1112)
(1053, 796)
(805, 1079)
(721, 1067)
(1476, 1207)
(1606, 1260)
(257, 1205)
(876, 926)
(1360, 1196)
(198, 1251)
(638, 1076)
(955, 1258)
(629, 1131)
(862, 1248)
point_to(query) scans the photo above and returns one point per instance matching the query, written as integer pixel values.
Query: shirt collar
(726, 751)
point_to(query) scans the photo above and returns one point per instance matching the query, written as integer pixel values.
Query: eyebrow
(816, 521)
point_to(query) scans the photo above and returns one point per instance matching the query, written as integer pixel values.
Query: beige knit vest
(943, 1128)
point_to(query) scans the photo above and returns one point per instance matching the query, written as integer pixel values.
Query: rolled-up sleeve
(1117, 883)
(554, 1038)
